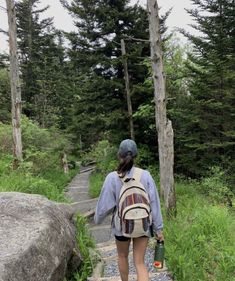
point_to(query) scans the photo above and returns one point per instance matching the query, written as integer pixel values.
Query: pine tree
(40, 62)
(5, 96)
(95, 54)
(209, 136)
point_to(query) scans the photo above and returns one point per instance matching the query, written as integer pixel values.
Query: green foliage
(145, 157)
(215, 187)
(45, 83)
(5, 95)
(51, 187)
(207, 133)
(95, 56)
(105, 156)
(40, 172)
(5, 139)
(200, 242)
(41, 147)
(95, 184)
(86, 244)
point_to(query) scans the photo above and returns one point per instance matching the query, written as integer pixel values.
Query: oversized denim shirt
(109, 196)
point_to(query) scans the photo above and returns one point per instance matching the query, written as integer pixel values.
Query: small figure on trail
(130, 194)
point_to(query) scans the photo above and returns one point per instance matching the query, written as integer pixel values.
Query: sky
(62, 20)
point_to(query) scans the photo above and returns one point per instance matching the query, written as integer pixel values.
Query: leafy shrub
(104, 155)
(145, 157)
(42, 148)
(40, 172)
(216, 188)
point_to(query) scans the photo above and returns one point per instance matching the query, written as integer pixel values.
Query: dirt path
(107, 269)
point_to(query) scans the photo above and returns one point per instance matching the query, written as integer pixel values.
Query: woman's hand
(160, 236)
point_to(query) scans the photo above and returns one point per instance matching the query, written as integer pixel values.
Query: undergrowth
(95, 184)
(40, 172)
(50, 183)
(200, 242)
(86, 244)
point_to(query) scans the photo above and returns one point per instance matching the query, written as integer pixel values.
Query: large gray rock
(37, 238)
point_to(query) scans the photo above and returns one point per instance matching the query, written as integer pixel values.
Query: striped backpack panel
(134, 210)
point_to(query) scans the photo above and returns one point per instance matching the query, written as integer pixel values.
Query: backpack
(133, 213)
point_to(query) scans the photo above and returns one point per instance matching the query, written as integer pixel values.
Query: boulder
(37, 238)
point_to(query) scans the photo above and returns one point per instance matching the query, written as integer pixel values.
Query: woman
(108, 202)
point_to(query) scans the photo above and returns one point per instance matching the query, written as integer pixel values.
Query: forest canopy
(74, 81)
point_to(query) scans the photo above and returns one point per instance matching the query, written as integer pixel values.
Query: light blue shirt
(109, 197)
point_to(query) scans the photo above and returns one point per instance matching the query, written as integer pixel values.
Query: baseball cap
(126, 146)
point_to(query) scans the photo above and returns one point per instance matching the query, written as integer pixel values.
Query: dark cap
(126, 146)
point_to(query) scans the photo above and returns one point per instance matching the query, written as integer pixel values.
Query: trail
(107, 268)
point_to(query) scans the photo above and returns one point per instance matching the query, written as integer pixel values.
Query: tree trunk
(64, 163)
(164, 126)
(15, 84)
(128, 95)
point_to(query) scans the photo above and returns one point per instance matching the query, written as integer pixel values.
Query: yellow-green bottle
(159, 254)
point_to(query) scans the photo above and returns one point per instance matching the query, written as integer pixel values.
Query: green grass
(95, 184)
(50, 183)
(200, 242)
(85, 244)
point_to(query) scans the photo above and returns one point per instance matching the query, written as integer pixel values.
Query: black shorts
(122, 238)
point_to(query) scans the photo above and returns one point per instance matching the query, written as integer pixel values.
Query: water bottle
(159, 254)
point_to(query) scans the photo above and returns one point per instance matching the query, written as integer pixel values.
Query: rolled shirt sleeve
(107, 199)
(155, 204)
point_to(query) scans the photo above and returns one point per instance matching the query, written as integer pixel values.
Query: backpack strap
(137, 173)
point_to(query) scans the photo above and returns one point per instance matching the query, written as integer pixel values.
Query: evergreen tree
(177, 99)
(41, 62)
(95, 54)
(5, 90)
(5, 96)
(210, 129)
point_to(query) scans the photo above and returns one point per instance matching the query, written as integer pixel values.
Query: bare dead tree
(164, 125)
(15, 84)
(128, 94)
(64, 162)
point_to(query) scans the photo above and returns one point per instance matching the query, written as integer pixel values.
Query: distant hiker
(130, 194)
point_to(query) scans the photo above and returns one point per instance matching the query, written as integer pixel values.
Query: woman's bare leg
(139, 249)
(123, 251)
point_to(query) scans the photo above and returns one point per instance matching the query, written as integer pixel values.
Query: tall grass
(50, 183)
(200, 242)
(95, 184)
(85, 243)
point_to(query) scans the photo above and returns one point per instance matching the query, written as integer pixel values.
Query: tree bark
(64, 163)
(15, 84)
(128, 95)
(164, 126)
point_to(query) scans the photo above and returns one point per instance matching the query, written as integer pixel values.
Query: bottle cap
(157, 264)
